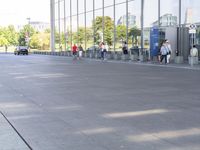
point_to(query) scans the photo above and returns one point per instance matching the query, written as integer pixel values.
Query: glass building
(142, 23)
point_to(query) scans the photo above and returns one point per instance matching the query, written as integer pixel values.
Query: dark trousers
(162, 57)
(102, 55)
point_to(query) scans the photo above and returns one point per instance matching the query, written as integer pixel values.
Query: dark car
(21, 50)
(93, 48)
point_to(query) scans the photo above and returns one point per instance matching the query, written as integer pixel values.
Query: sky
(16, 12)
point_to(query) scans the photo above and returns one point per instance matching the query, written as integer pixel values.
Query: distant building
(167, 20)
(131, 20)
(38, 26)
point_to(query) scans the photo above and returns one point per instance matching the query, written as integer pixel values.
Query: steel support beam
(52, 12)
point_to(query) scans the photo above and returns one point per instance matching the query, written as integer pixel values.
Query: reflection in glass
(109, 27)
(120, 23)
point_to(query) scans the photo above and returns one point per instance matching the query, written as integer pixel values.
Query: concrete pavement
(56, 103)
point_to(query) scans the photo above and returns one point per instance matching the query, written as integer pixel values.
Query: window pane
(108, 2)
(134, 23)
(89, 30)
(109, 26)
(82, 30)
(98, 27)
(120, 25)
(81, 6)
(89, 5)
(74, 7)
(98, 4)
(120, 1)
(67, 8)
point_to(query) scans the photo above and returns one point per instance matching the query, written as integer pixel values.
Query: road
(55, 103)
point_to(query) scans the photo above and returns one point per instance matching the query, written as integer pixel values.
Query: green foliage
(79, 37)
(8, 36)
(40, 41)
(121, 33)
(134, 33)
(26, 32)
(3, 41)
(108, 29)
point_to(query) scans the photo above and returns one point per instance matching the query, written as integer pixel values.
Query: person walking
(74, 51)
(125, 48)
(163, 51)
(80, 52)
(102, 49)
(169, 51)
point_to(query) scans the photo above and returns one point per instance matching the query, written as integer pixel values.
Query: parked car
(21, 50)
(93, 48)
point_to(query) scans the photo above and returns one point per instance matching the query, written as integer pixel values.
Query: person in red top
(74, 50)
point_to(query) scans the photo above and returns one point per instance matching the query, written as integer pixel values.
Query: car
(93, 48)
(21, 50)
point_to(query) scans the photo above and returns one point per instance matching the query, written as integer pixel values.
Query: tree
(108, 34)
(79, 37)
(108, 29)
(40, 41)
(121, 33)
(24, 34)
(134, 33)
(12, 35)
(3, 41)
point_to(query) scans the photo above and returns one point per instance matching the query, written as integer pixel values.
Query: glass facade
(89, 22)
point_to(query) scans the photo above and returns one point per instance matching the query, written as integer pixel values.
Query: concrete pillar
(52, 12)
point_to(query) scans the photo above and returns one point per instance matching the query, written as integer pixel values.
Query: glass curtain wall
(96, 21)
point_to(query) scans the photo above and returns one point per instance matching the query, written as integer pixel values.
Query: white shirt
(194, 52)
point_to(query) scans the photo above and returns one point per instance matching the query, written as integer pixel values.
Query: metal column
(60, 47)
(114, 13)
(142, 25)
(78, 23)
(85, 24)
(52, 12)
(159, 14)
(70, 24)
(103, 21)
(179, 32)
(94, 35)
(127, 20)
(65, 33)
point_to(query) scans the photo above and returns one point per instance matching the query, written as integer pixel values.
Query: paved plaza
(56, 103)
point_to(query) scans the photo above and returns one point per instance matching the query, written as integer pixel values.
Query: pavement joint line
(16, 131)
